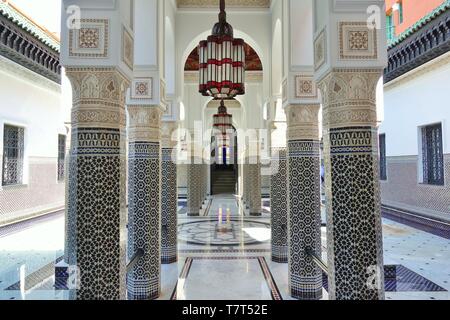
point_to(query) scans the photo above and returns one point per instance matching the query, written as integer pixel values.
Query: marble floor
(224, 254)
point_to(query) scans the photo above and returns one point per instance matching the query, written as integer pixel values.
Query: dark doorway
(224, 165)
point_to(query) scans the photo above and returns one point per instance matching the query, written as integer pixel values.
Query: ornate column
(278, 203)
(96, 204)
(203, 178)
(144, 183)
(206, 169)
(194, 182)
(244, 185)
(68, 231)
(169, 195)
(355, 254)
(246, 181)
(303, 166)
(62, 268)
(254, 180)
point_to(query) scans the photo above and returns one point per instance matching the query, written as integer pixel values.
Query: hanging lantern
(222, 61)
(223, 121)
(223, 141)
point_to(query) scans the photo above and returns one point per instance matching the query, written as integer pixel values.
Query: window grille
(13, 149)
(383, 168)
(432, 155)
(61, 156)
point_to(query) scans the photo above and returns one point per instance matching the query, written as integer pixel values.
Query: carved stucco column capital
(349, 97)
(303, 122)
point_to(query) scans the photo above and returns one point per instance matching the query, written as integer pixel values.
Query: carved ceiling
(252, 61)
(229, 3)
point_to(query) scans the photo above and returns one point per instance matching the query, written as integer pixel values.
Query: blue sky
(45, 12)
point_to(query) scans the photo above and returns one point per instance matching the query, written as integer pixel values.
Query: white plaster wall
(38, 109)
(278, 48)
(42, 108)
(416, 102)
(145, 28)
(169, 47)
(194, 104)
(301, 20)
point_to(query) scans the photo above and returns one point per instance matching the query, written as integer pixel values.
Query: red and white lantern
(222, 61)
(223, 122)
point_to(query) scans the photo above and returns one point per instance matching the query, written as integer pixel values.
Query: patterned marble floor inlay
(193, 284)
(230, 250)
(224, 232)
(223, 205)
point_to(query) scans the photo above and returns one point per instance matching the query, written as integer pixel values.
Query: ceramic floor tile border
(36, 277)
(183, 276)
(275, 292)
(268, 277)
(208, 207)
(29, 223)
(434, 227)
(222, 251)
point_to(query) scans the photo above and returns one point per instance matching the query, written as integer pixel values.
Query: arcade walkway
(223, 257)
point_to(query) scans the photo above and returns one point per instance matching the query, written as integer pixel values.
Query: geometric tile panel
(127, 48)
(168, 208)
(91, 40)
(194, 188)
(305, 280)
(142, 88)
(353, 212)
(305, 87)
(278, 192)
(320, 50)
(95, 214)
(399, 278)
(254, 179)
(143, 281)
(402, 191)
(357, 41)
(245, 186)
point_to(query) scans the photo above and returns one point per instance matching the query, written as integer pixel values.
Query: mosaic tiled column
(354, 235)
(96, 204)
(194, 188)
(245, 187)
(254, 179)
(278, 203)
(68, 232)
(206, 170)
(62, 268)
(303, 167)
(248, 187)
(144, 206)
(203, 179)
(169, 196)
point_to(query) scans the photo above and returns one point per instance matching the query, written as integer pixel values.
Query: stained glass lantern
(222, 61)
(223, 122)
